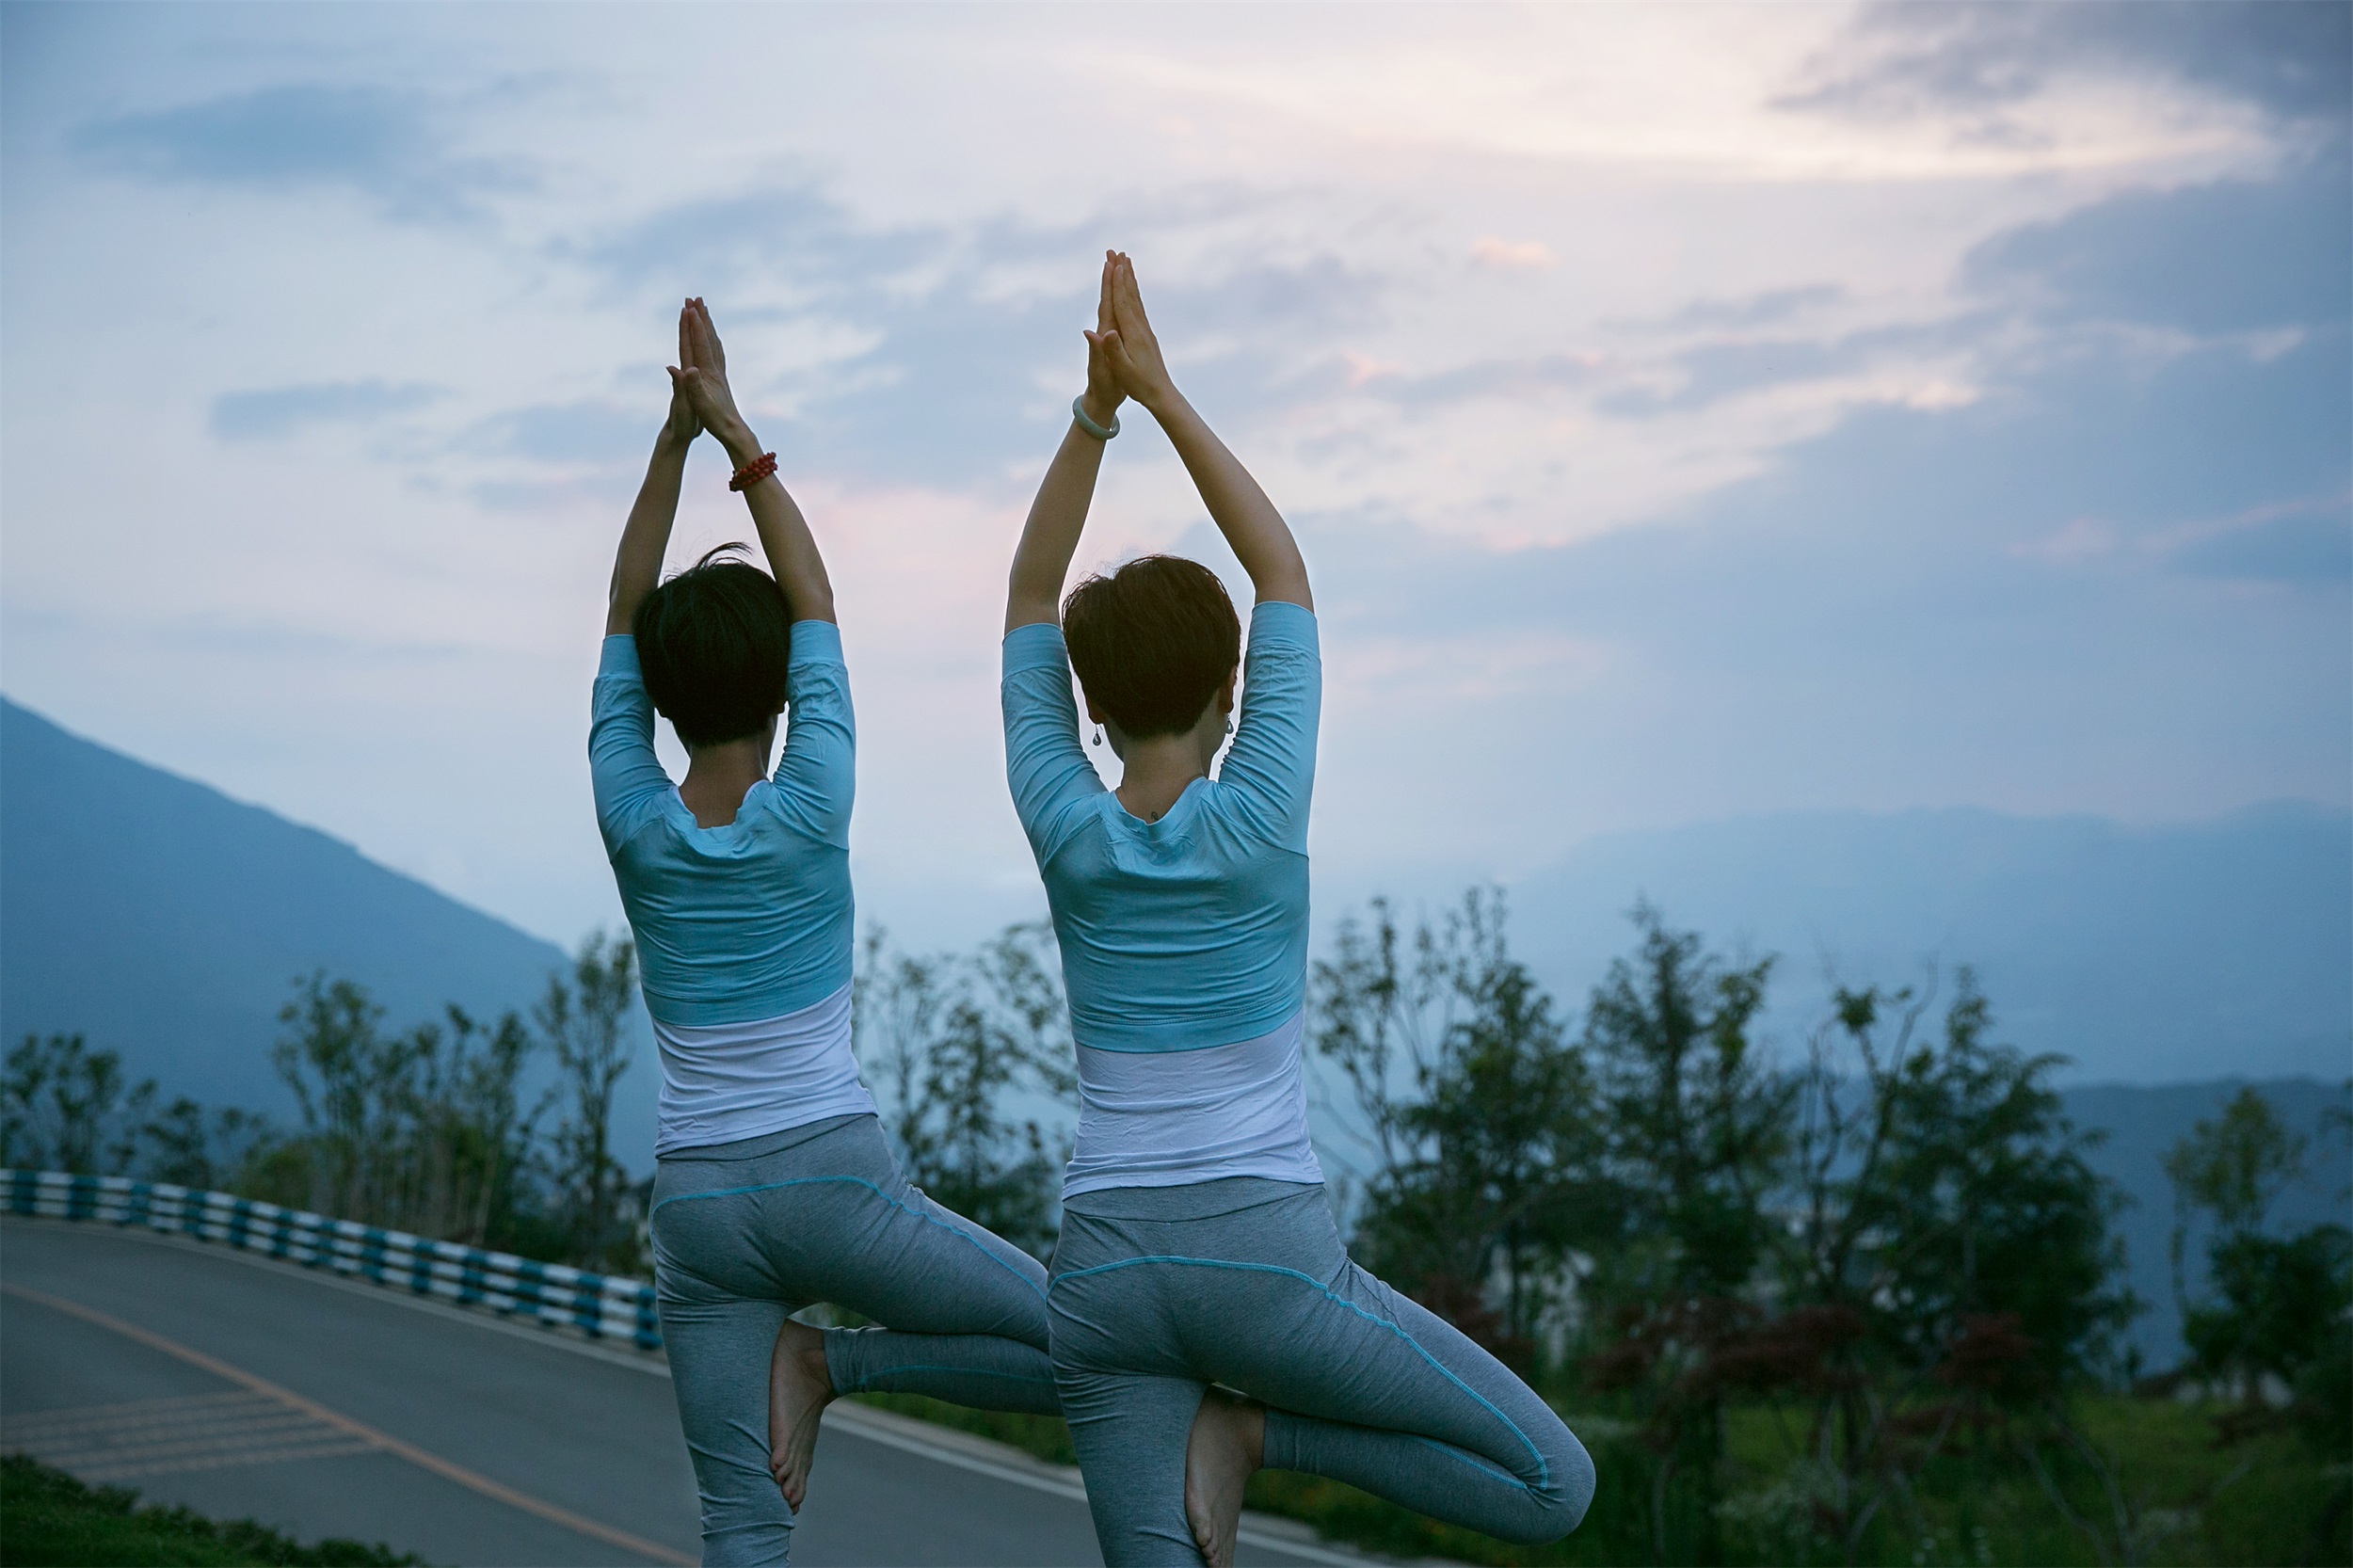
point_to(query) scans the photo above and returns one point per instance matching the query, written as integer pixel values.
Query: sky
(1685, 412)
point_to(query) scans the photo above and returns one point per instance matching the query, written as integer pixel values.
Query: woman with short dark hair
(772, 1186)
(1197, 1248)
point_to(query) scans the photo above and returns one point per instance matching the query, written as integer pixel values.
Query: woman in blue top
(772, 1186)
(1197, 1248)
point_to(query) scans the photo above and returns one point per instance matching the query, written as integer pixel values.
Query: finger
(685, 339)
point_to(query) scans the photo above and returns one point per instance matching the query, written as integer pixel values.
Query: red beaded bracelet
(754, 471)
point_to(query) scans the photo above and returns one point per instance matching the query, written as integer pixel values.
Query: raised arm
(637, 565)
(701, 377)
(1059, 515)
(1256, 531)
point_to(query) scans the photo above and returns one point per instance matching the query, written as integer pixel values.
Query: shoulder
(1278, 623)
(1034, 646)
(616, 660)
(816, 642)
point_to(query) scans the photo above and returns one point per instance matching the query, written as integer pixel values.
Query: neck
(718, 775)
(1156, 772)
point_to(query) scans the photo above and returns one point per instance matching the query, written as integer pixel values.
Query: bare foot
(799, 1388)
(1227, 1443)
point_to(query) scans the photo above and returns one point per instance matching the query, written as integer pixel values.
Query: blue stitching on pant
(858, 1181)
(1462, 1458)
(1543, 1471)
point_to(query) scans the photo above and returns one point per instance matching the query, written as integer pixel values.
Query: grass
(50, 1520)
(2189, 1500)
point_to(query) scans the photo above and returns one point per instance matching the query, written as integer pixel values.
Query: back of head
(1152, 642)
(714, 644)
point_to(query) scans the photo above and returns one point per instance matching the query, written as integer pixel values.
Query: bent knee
(1567, 1493)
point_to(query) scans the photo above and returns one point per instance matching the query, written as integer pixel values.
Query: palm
(1104, 394)
(1132, 352)
(702, 377)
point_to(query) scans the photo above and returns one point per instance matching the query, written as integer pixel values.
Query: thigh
(1352, 1348)
(1129, 1433)
(835, 1219)
(872, 1242)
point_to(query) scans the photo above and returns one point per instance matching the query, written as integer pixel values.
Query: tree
(1698, 1130)
(1485, 1180)
(2233, 1170)
(2277, 1317)
(421, 1130)
(347, 1083)
(64, 1107)
(1947, 1221)
(952, 1038)
(207, 1151)
(586, 1022)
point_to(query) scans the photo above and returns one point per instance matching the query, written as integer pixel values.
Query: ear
(1225, 693)
(1094, 715)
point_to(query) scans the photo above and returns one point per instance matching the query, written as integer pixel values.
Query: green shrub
(50, 1520)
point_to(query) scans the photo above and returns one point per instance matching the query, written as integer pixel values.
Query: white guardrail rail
(549, 1293)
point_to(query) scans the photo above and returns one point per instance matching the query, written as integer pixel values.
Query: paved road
(244, 1387)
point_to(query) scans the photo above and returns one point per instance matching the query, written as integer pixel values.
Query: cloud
(1536, 376)
(1715, 371)
(790, 233)
(593, 432)
(1757, 309)
(1495, 250)
(2223, 257)
(271, 412)
(2308, 543)
(2287, 57)
(380, 144)
(970, 324)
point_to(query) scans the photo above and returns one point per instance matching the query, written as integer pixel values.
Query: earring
(1229, 724)
(1099, 736)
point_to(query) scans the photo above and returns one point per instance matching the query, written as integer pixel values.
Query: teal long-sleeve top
(753, 920)
(1191, 931)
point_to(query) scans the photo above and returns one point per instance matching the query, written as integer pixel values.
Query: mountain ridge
(159, 917)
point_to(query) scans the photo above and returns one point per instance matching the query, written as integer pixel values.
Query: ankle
(1253, 1424)
(818, 1369)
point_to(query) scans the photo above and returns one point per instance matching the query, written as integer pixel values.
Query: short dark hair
(713, 643)
(1152, 642)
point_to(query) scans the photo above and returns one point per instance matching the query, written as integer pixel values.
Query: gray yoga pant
(746, 1234)
(1160, 1291)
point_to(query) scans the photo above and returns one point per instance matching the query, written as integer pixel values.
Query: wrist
(743, 447)
(1163, 403)
(1102, 410)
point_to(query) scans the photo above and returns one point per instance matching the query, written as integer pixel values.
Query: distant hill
(165, 921)
(2180, 953)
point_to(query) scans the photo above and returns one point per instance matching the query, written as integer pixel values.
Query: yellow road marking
(410, 1451)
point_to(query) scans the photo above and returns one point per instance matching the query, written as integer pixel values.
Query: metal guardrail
(549, 1293)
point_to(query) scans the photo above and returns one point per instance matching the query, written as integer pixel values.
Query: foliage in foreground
(49, 1519)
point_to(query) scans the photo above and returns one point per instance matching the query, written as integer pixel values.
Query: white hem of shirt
(1180, 1117)
(725, 1082)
